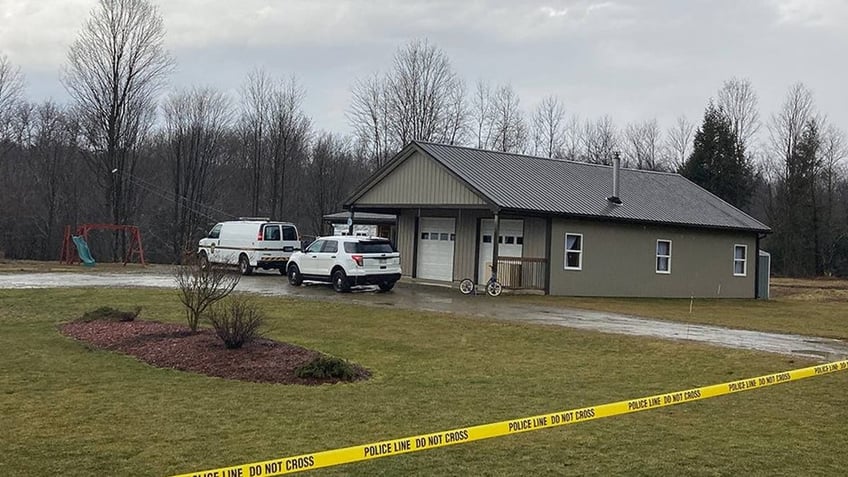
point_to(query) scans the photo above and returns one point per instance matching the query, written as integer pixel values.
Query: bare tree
(787, 126)
(115, 68)
(255, 102)
(549, 134)
(333, 173)
(288, 135)
(482, 113)
(600, 140)
(508, 124)
(420, 98)
(643, 147)
(573, 139)
(11, 88)
(51, 162)
(196, 123)
(455, 127)
(834, 152)
(369, 116)
(679, 142)
(739, 102)
(795, 209)
(419, 90)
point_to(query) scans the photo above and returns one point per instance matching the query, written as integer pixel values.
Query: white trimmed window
(663, 256)
(740, 260)
(573, 251)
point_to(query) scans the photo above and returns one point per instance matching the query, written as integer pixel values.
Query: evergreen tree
(718, 161)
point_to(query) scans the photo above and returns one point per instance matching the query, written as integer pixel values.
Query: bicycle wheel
(466, 286)
(493, 288)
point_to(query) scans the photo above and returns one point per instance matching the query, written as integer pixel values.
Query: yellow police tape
(298, 463)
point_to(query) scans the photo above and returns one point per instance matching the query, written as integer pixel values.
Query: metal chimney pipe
(616, 170)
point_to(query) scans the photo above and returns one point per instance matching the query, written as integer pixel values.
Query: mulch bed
(167, 345)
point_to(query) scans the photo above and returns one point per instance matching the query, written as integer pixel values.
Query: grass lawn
(70, 410)
(807, 307)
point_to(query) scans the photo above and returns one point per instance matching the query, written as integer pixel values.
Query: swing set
(75, 246)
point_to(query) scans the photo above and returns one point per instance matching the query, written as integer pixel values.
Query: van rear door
(276, 243)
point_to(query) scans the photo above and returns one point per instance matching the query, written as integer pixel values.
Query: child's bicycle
(493, 287)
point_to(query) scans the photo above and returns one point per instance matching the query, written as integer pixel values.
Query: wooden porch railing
(523, 272)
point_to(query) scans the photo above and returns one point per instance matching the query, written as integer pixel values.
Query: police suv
(347, 261)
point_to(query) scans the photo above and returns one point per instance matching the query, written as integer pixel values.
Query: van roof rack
(266, 219)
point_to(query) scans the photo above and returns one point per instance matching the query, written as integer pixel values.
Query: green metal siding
(534, 237)
(405, 240)
(620, 260)
(465, 253)
(420, 181)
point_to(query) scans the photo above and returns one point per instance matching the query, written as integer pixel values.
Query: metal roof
(534, 184)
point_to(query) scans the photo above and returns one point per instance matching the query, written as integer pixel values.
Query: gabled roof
(520, 183)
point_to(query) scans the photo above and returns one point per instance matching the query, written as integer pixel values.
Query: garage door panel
(511, 243)
(436, 239)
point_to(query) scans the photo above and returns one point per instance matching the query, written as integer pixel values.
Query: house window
(663, 256)
(740, 260)
(510, 239)
(573, 251)
(519, 240)
(425, 236)
(445, 237)
(487, 239)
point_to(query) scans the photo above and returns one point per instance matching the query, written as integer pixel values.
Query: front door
(327, 257)
(309, 265)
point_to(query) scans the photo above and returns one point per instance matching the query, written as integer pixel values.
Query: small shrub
(201, 287)
(324, 367)
(236, 322)
(107, 313)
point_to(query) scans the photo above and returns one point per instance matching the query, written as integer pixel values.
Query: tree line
(125, 150)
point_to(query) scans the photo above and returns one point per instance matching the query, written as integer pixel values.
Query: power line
(171, 197)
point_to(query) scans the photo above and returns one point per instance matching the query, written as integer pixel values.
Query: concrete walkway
(439, 299)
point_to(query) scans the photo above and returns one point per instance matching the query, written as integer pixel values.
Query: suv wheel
(386, 286)
(295, 278)
(244, 265)
(340, 283)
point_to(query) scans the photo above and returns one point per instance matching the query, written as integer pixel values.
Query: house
(567, 228)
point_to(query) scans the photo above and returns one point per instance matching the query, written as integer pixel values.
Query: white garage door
(436, 237)
(511, 243)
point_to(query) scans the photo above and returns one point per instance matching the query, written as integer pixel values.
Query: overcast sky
(632, 60)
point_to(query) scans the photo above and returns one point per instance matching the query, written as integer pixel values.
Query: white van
(250, 243)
